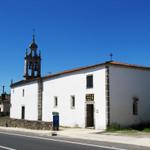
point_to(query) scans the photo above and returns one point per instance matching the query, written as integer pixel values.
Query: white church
(92, 96)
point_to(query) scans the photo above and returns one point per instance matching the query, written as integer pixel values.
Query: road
(21, 141)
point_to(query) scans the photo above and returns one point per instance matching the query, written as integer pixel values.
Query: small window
(135, 106)
(55, 101)
(72, 102)
(23, 92)
(89, 81)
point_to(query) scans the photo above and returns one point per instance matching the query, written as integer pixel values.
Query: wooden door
(89, 115)
(23, 112)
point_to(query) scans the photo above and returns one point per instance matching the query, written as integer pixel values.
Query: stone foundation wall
(39, 125)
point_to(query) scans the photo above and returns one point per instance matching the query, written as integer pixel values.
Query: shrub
(139, 127)
(114, 127)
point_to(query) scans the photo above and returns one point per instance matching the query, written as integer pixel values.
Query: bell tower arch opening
(32, 65)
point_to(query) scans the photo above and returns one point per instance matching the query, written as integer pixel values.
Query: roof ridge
(82, 68)
(128, 64)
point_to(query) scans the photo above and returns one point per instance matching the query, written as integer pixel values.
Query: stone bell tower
(32, 66)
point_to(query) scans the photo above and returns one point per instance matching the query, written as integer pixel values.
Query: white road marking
(7, 148)
(64, 141)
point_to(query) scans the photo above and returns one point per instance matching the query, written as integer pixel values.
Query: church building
(92, 96)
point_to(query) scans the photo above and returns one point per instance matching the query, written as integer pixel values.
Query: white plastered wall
(1, 107)
(126, 83)
(75, 84)
(29, 100)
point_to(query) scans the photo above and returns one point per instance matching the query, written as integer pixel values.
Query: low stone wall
(39, 125)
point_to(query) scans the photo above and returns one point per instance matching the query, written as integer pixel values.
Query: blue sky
(72, 33)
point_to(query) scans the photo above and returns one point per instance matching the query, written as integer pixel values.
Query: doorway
(89, 115)
(23, 112)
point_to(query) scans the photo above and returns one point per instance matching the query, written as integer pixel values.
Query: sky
(72, 33)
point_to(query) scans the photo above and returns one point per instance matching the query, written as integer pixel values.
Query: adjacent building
(92, 96)
(4, 103)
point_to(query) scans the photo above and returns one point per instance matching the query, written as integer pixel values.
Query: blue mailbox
(55, 121)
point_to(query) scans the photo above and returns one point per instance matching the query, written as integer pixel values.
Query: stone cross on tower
(32, 66)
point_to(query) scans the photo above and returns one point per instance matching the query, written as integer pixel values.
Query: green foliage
(144, 127)
(141, 126)
(4, 114)
(146, 130)
(114, 127)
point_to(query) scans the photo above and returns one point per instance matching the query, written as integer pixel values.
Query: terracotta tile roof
(73, 70)
(97, 65)
(128, 65)
(22, 82)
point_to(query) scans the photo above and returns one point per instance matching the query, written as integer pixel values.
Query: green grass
(146, 130)
(134, 128)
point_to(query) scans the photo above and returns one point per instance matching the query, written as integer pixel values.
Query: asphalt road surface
(21, 141)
